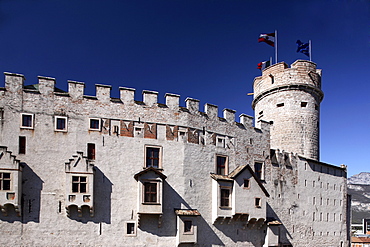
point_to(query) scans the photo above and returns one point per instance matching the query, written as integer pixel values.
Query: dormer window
(225, 197)
(5, 181)
(150, 192)
(79, 184)
(26, 121)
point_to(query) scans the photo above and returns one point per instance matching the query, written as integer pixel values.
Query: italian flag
(268, 38)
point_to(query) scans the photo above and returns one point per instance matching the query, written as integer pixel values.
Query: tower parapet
(289, 98)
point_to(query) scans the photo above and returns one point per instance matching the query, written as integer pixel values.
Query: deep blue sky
(206, 50)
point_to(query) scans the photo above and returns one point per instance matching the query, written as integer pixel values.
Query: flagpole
(276, 46)
(310, 49)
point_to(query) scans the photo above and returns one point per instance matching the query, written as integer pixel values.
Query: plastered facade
(153, 174)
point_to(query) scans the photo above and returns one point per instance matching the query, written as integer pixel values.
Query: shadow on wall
(284, 234)
(102, 201)
(171, 201)
(239, 232)
(31, 195)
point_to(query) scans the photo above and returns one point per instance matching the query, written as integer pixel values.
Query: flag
(303, 48)
(263, 65)
(268, 38)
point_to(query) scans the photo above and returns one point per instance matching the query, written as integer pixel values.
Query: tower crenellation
(289, 98)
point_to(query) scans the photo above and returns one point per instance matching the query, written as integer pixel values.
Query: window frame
(146, 158)
(2, 179)
(258, 202)
(260, 173)
(222, 201)
(191, 229)
(79, 182)
(32, 121)
(248, 182)
(157, 192)
(218, 168)
(99, 124)
(91, 151)
(127, 228)
(56, 118)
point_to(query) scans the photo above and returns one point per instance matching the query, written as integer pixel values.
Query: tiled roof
(187, 212)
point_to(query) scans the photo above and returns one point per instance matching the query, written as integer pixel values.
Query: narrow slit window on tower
(303, 104)
(272, 79)
(280, 105)
(22, 145)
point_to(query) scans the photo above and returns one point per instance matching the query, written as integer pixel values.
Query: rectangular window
(27, 121)
(303, 104)
(150, 192)
(225, 197)
(79, 184)
(247, 183)
(257, 202)
(94, 124)
(280, 105)
(221, 165)
(258, 170)
(130, 228)
(91, 151)
(22, 145)
(188, 227)
(60, 123)
(4, 181)
(152, 157)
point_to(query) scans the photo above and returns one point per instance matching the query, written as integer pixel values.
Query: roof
(236, 172)
(221, 177)
(187, 212)
(360, 240)
(156, 171)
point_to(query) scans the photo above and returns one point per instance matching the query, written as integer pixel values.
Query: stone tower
(289, 98)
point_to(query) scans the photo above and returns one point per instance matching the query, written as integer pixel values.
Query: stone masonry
(103, 171)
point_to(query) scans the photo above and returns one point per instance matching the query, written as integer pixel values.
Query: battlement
(14, 83)
(301, 72)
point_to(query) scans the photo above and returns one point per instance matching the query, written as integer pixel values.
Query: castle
(102, 171)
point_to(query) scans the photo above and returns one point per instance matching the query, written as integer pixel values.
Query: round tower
(289, 98)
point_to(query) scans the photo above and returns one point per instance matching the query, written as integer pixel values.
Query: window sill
(223, 207)
(151, 203)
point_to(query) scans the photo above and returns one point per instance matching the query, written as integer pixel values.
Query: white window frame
(191, 232)
(32, 120)
(160, 156)
(229, 188)
(259, 205)
(158, 192)
(126, 228)
(56, 121)
(95, 129)
(262, 169)
(226, 163)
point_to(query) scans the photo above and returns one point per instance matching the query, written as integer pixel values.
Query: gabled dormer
(10, 182)
(79, 184)
(239, 196)
(150, 192)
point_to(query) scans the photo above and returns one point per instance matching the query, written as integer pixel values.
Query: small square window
(257, 202)
(94, 124)
(130, 228)
(303, 104)
(26, 121)
(188, 227)
(247, 183)
(221, 165)
(60, 123)
(152, 157)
